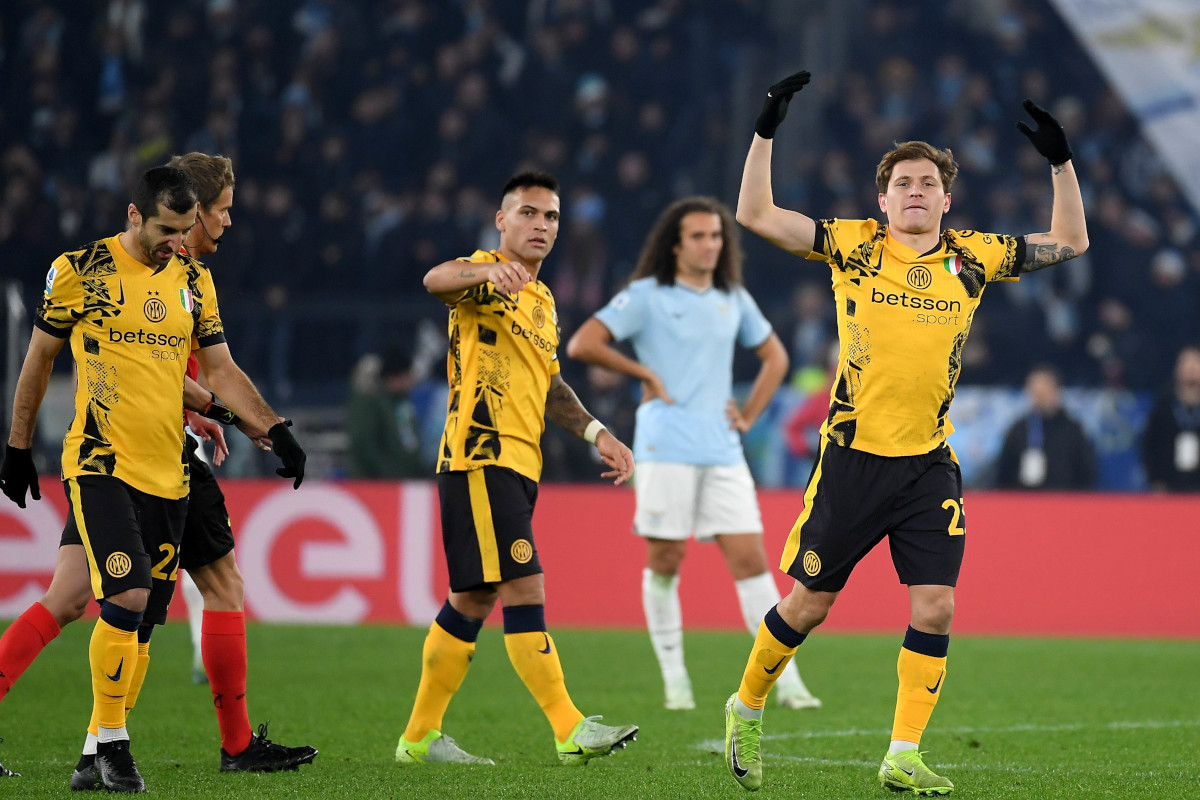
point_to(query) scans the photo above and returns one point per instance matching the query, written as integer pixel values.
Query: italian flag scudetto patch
(953, 264)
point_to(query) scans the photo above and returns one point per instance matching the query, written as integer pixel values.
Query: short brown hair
(911, 151)
(211, 174)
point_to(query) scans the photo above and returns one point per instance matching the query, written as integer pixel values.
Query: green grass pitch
(1019, 718)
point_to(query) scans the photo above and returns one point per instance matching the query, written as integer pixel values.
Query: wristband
(220, 413)
(593, 430)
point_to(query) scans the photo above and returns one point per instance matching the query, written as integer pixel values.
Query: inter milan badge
(953, 264)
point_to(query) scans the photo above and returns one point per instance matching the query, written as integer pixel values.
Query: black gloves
(289, 452)
(1050, 139)
(775, 106)
(18, 474)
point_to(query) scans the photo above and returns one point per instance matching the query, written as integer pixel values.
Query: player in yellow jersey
(133, 308)
(905, 293)
(504, 380)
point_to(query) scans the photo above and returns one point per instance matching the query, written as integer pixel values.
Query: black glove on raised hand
(1050, 139)
(18, 474)
(289, 451)
(775, 106)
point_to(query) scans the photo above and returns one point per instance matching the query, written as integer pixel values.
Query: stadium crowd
(364, 137)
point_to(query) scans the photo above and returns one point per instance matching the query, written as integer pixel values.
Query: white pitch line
(718, 745)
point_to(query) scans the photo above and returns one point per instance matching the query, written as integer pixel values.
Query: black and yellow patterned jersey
(131, 328)
(503, 352)
(903, 318)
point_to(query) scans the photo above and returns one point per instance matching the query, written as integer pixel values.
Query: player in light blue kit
(683, 312)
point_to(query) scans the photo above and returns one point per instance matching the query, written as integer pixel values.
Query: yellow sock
(444, 663)
(921, 681)
(139, 677)
(113, 655)
(535, 658)
(767, 660)
(135, 687)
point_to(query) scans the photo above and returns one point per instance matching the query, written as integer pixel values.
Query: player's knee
(64, 607)
(749, 564)
(805, 610)
(664, 557)
(934, 614)
(131, 599)
(221, 585)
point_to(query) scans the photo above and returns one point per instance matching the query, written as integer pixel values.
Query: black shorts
(487, 526)
(854, 499)
(131, 539)
(207, 535)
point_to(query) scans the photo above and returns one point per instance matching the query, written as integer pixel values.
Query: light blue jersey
(686, 336)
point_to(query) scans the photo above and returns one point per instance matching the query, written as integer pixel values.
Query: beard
(150, 248)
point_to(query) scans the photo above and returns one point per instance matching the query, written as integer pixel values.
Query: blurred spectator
(1171, 442)
(364, 131)
(1046, 448)
(381, 418)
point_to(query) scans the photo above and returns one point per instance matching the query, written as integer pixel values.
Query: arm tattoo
(1040, 256)
(564, 408)
(466, 273)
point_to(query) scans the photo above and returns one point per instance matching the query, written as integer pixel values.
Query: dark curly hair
(658, 253)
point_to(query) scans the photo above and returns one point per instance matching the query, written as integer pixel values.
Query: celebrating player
(504, 381)
(905, 294)
(684, 306)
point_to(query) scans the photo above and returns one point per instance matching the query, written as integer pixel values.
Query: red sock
(22, 642)
(223, 649)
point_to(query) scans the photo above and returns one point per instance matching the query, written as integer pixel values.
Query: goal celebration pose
(905, 293)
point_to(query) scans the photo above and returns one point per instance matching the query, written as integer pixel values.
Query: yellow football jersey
(503, 352)
(903, 318)
(131, 328)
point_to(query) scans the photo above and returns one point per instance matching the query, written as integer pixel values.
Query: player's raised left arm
(1067, 236)
(565, 410)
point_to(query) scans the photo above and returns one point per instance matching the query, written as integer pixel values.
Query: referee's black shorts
(854, 499)
(207, 534)
(487, 526)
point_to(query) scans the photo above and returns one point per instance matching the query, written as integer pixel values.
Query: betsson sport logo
(176, 347)
(535, 338)
(946, 312)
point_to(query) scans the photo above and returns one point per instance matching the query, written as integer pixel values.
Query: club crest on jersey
(185, 300)
(953, 264)
(50, 276)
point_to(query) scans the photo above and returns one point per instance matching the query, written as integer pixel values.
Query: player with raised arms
(905, 292)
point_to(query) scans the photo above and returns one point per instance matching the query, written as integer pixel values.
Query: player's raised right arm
(449, 279)
(756, 207)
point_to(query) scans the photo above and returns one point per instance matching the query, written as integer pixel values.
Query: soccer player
(685, 306)
(504, 380)
(905, 294)
(133, 308)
